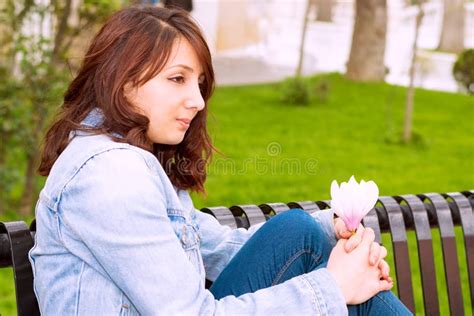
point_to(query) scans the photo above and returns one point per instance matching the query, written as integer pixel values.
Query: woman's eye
(178, 79)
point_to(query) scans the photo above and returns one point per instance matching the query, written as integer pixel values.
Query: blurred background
(307, 91)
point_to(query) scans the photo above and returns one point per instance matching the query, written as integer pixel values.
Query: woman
(117, 232)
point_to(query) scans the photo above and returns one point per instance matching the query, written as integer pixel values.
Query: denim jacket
(114, 237)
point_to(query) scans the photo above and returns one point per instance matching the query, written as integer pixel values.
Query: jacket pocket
(190, 240)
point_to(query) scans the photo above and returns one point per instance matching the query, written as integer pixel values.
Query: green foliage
(295, 90)
(299, 91)
(33, 77)
(15, 110)
(29, 91)
(463, 70)
(98, 10)
(34, 73)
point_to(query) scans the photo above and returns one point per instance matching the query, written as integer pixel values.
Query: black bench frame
(393, 214)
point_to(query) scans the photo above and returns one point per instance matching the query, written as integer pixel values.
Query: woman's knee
(294, 213)
(387, 303)
(297, 220)
(298, 227)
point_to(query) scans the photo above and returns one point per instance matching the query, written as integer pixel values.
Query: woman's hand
(354, 239)
(356, 277)
(341, 230)
(377, 252)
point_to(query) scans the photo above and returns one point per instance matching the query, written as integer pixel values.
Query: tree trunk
(408, 119)
(366, 60)
(29, 189)
(61, 32)
(299, 68)
(26, 202)
(452, 32)
(324, 10)
(33, 153)
(3, 195)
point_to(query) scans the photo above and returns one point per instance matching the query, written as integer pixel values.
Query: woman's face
(171, 99)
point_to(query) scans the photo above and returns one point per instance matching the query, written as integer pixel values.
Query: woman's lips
(184, 123)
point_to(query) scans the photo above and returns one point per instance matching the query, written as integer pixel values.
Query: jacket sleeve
(122, 220)
(220, 243)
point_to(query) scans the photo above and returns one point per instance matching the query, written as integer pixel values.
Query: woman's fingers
(341, 229)
(374, 254)
(384, 269)
(355, 239)
(377, 253)
(368, 236)
(385, 285)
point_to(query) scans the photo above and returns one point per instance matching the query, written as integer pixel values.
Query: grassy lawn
(345, 136)
(274, 152)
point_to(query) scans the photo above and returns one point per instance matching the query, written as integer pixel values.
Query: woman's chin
(175, 140)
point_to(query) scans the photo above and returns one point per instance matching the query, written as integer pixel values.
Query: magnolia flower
(352, 201)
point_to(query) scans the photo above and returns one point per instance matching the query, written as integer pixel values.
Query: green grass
(276, 152)
(7, 293)
(345, 136)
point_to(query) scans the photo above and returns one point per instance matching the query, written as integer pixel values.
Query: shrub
(321, 90)
(295, 90)
(463, 70)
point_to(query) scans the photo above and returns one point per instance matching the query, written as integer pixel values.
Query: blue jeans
(288, 245)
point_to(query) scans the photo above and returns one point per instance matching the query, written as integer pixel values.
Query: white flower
(352, 201)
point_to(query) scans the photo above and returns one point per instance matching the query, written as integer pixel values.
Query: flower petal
(336, 207)
(351, 201)
(372, 194)
(334, 190)
(347, 197)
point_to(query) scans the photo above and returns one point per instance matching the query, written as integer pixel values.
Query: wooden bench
(393, 214)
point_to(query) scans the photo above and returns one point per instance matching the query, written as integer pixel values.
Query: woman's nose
(195, 99)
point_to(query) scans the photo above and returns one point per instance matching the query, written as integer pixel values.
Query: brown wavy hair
(132, 47)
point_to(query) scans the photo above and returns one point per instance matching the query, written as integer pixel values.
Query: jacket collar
(94, 119)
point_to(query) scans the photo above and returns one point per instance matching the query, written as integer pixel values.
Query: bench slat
(467, 223)
(371, 220)
(450, 256)
(222, 214)
(308, 206)
(251, 214)
(400, 249)
(5, 256)
(19, 235)
(323, 205)
(425, 252)
(270, 209)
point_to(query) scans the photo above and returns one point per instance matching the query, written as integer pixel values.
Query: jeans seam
(290, 261)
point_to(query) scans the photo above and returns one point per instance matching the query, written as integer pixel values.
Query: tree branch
(62, 28)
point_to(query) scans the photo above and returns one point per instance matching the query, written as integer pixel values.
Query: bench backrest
(393, 214)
